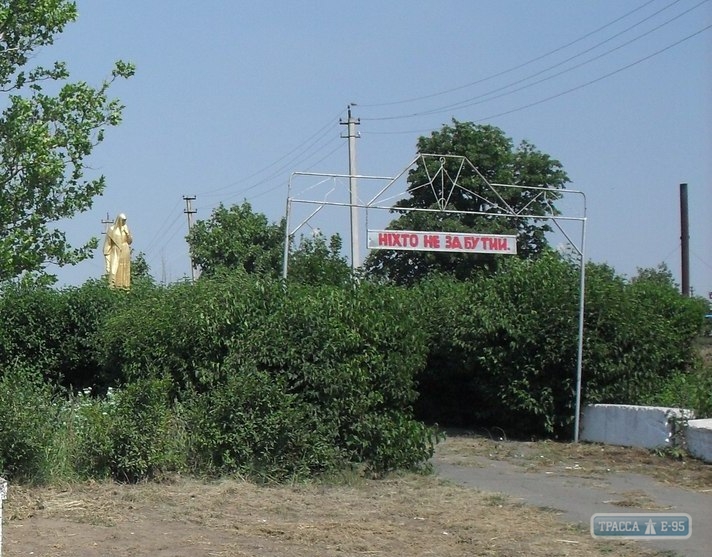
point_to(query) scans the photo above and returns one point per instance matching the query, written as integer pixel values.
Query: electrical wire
(570, 90)
(316, 136)
(600, 78)
(518, 66)
(490, 95)
(280, 171)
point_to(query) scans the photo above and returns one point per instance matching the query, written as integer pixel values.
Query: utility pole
(352, 135)
(190, 212)
(685, 241)
(106, 223)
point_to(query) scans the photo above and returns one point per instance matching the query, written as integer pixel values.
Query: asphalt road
(578, 498)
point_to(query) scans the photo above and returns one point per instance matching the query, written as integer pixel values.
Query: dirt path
(402, 516)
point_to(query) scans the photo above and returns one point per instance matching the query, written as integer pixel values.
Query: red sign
(442, 241)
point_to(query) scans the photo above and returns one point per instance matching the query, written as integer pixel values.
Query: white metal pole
(285, 257)
(579, 358)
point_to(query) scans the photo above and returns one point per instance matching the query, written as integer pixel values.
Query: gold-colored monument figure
(117, 253)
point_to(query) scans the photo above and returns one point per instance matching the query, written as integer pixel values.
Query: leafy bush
(345, 352)
(131, 435)
(503, 347)
(278, 380)
(28, 417)
(686, 389)
(249, 424)
(58, 330)
(638, 335)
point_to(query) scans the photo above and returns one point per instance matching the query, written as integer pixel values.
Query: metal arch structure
(442, 184)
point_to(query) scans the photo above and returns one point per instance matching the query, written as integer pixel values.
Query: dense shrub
(638, 335)
(132, 434)
(249, 424)
(276, 380)
(347, 353)
(28, 422)
(689, 388)
(503, 347)
(57, 330)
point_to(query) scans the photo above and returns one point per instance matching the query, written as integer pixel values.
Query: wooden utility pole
(190, 212)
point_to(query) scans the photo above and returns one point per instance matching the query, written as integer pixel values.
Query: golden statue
(117, 253)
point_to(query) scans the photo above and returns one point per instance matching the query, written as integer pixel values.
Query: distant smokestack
(685, 241)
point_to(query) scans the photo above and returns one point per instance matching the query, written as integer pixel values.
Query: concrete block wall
(648, 427)
(699, 439)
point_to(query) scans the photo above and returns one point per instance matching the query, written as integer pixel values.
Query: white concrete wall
(648, 427)
(699, 439)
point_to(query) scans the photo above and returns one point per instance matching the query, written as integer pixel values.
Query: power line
(567, 91)
(280, 170)
(518, 66)
(600, 78)
(340, 146)
(164, 224)
(489, 95)
(304, 145)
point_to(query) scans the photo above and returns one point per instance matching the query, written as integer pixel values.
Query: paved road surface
(578, 498)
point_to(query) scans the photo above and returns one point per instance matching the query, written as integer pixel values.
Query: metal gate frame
(497, 201)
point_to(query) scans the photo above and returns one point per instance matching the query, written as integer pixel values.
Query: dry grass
(407, 515)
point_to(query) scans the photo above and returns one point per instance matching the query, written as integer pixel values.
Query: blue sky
(231, 97)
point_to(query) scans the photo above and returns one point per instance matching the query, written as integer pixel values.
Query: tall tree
(494, 159)
(317, 262)
(237, 238)
(45, 139)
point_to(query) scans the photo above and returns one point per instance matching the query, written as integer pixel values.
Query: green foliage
(242, 373)
(316, 263)
(352, 354)
(347, 353)
(250, 424)
(688, 388)
(45, 140)
(494, 160)
(140, 270)
(57, 330)
(28, 417)
(661, 275)
(503, 346)
(637, 335)
(132, 435)
(237, 238)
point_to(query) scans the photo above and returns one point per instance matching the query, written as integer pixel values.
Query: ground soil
(403, 515)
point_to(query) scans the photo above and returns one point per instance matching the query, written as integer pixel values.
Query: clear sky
(231, 97)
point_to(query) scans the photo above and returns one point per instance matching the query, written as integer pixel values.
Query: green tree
(661, 275)
(44, 140)
(494, 159)
(140, 270)
(237, 238)
(316, 262)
